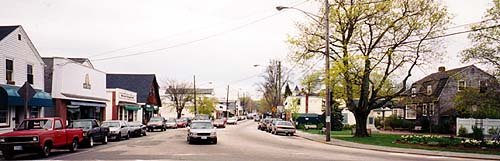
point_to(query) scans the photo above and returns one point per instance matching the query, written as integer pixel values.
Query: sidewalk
(321, 139)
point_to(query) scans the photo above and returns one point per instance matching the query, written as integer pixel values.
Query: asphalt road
(235, 142)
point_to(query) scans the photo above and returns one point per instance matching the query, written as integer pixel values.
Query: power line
(199, 39)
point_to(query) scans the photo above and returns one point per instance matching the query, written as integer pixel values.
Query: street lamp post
(328, 94)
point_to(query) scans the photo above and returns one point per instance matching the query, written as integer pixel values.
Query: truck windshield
(201, 125)
(35, 124)
(81, 124)
(111, 124)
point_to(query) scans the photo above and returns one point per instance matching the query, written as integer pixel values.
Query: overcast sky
(219, 41)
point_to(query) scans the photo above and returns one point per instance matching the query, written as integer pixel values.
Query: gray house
(432, 96)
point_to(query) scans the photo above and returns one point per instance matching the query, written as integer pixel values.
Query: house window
(19, 37)
(431, 109)
(4, 115)
(429, 89)
(9, 70)
(298, 101)
(413, 91)
(370, 120)
(461, 85)
(29, 73)
(424, 110)
(483, 86)
(345, 118)
(411, 111)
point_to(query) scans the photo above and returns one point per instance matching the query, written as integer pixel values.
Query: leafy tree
(179, 94)
(472, 103)
(205, 106)
(486, 43)
(372, 42)
(294, 108)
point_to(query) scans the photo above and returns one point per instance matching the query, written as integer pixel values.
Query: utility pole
(194, 92)
(327, 72)
(227, 101)
(279, 86)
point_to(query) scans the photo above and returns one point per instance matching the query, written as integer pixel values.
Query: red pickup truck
(39, 135)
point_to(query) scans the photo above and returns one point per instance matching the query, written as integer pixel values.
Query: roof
(437, 80)
(6, 30)
(139, 83)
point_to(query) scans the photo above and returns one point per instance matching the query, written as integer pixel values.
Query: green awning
(132, 107)
(149, 108)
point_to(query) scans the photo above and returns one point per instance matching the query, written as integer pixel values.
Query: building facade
(78, 89)
(122, 105)
(20, 63)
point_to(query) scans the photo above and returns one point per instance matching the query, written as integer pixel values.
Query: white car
(232, 120)
(117, 129)
(202, 130)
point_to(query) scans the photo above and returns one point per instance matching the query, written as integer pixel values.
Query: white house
(312, 104)
(20, 62)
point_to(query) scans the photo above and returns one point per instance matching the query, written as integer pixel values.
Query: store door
(130, 115)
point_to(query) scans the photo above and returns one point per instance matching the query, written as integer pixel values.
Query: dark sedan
(91, 131)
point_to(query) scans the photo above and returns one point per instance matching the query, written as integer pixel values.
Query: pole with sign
(26, 92)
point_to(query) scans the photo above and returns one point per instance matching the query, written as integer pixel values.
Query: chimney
(441, 69)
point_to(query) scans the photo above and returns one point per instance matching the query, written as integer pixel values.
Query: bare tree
(274, 80)
(179, 94)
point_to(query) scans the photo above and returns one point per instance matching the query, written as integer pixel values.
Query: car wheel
(91, 142)
(105, 140)
(144, 134)
(8, 155)
(46, 150)
(74, 145)
(214, 141)
(119, 137)
(128, 136)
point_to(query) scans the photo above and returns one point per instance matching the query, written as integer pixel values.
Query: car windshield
(134, 124)
(180, 121)
(81, 124)
(155, 119)
(285, 123)
(35, 124)
(111, 124)
(201, 125)
(171, 120)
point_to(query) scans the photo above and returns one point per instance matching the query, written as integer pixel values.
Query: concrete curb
(402, 150)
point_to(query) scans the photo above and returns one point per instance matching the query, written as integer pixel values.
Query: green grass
(389, 140)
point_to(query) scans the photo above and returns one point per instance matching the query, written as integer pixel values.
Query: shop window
(35, 112)
(4, 116)
(9, 70)
(411, 111)
(29, 73)
(461, 85)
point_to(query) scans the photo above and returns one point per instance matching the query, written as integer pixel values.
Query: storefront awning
(132, 107)
(149, 108)
(9, 96)
(88, 104)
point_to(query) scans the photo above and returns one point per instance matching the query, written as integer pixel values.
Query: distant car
(263, 124)
(171, 123)
(202, 130)
(201, 117)
(270, 124)
(181, 123)
(117, 129)
(156, 123)
(256, 119)
(232, 120)
(284, 127)
(188, 119)
(220, 123)
(250, 116)
(137, 129)
(91, 131)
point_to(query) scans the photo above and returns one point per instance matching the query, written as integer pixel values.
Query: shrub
(462, 131)
(348, 127)
(477, 133)
(430, 140)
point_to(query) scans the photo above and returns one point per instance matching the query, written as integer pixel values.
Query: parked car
(137, 129)
(263, 124)
(188, 119)
(156, 123)
(232, 120)
(201, 117)
(39, 135)
(285, 127)
(220, 123)
(117, 129)
(256, 118)
(271, 123)
(91, 131)
(171, 123)
(182, 123)
(202, 130)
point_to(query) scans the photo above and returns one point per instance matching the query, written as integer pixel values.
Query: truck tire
(45, 152)
(105, 139)
(74, 145)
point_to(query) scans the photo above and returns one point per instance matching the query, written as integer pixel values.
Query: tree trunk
(361, 118)
(179, 114)
(307, 102)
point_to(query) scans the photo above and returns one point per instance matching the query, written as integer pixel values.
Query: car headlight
(2, 140)
(213, 133)
(35, 138)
